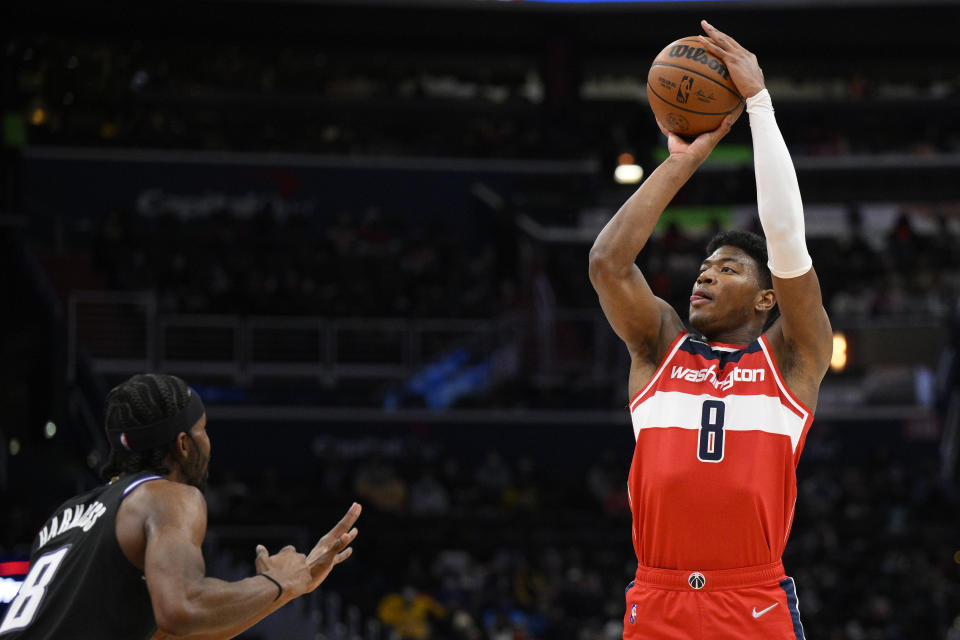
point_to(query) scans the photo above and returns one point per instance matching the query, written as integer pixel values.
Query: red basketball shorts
(732, 604)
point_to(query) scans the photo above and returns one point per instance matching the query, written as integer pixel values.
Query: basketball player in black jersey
(123, 561)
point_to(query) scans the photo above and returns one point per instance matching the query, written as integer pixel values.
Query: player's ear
(766, 300)
(182, 444)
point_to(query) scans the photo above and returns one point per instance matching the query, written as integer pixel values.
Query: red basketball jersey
(713, 479)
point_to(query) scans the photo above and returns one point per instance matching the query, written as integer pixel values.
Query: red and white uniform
(712, 490)
(713, 479)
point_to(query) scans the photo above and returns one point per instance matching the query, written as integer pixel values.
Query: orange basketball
(690, 91)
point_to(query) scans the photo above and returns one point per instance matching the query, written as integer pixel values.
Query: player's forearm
(229, 632)
(778, 192)
(214, 608)
(625, 235)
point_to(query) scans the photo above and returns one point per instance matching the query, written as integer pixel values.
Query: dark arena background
(361, 229)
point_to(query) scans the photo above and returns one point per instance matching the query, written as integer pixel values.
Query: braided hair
(143, 399)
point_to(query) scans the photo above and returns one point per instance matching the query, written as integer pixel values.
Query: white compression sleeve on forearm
(778, 193)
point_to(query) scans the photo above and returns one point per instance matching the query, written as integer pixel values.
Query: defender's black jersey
(80, 585)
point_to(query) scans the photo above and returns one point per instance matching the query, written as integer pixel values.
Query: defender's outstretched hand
(288, 568)
(334, 547)
(297, 573)
(743, 66)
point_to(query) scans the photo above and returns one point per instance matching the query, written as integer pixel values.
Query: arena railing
(124, 333)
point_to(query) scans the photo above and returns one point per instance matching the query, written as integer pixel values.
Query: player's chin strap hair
(148, 436)
(778, 194)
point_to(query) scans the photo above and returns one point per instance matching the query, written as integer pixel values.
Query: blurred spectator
(428, 496)
(269, 265)
(410, 613)
(902, 243)
(379, 485)
(492, 478)
(227, 495)
(523, 493)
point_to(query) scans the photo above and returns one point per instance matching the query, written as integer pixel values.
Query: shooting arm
(778, 193)
(804, 324)
(633, 311)
(643, 321)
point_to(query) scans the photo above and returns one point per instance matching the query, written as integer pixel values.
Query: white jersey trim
(134, 485)
(680, 339)
(676, 409)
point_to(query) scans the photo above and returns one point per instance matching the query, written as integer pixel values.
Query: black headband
(148, 436)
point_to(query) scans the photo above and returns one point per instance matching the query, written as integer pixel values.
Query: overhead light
(49, 429)
(628, 174)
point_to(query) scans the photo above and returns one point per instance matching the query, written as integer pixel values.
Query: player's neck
(177, 473)
(742, 335)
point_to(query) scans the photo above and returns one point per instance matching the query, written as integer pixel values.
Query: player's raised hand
(700, 147)
(287, 567)
(333, 548)
(743, 66)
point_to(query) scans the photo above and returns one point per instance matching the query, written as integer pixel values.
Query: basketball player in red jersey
(720, 414)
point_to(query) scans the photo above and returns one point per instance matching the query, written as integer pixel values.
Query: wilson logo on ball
(699, 54)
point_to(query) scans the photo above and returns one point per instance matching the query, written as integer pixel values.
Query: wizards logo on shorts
(633, 613)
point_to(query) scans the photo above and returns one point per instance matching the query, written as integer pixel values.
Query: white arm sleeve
(778, 193)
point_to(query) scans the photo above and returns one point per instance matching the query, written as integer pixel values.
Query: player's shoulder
(166, 505)
(670, 321)
(170, 489)
(165, 496)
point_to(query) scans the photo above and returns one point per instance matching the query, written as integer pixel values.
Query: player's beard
(197, 467)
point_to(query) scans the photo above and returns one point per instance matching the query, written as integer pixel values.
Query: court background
(361, 231)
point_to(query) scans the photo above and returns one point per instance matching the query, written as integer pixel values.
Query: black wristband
(280, 593)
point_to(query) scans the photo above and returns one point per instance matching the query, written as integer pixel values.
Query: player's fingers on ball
(734, 115)
(726, 42)
(716, 34)
(711, 46)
